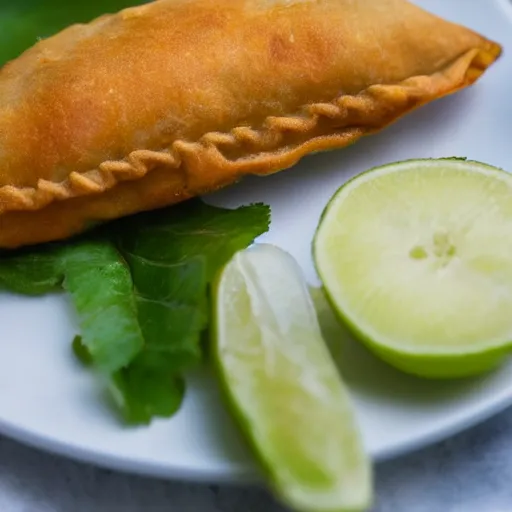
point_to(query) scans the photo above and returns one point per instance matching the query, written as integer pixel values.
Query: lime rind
(428, 365)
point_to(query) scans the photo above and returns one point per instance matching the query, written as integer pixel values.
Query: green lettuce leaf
(81, 352)
(144, 391)
(101, 288)
(95, 275)
(31, 272)
(140, 288)
(24, 22)
(173, 255)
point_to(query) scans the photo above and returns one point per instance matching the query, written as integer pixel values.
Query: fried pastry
(177, 98)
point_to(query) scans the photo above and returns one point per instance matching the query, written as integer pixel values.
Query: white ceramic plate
(47, 400)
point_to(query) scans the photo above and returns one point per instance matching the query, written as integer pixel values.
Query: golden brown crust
(177, 98)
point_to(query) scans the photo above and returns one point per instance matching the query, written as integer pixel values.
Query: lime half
(416, 257)
(283, 387)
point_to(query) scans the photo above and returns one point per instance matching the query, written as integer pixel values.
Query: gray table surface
(471, 472)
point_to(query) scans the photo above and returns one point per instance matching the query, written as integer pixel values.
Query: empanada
(177, 98)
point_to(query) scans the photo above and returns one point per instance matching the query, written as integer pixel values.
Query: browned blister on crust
(177, 98)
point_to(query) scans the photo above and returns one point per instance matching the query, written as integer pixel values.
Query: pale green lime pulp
(283, 386)
(417, 256)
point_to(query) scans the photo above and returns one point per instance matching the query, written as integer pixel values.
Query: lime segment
(283, 387)
(417, 258)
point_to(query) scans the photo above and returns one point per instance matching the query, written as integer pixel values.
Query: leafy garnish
(93, 272)
(140, 288)
(101, 289)
(145, 390)
(31, 272)
(81, 352)
(173, 255)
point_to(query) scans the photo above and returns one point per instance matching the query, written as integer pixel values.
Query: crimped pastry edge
(268, 157)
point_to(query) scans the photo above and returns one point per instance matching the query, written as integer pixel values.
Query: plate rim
(239, 473)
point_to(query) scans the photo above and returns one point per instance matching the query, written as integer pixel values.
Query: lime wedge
(416, 258)
(283, 387)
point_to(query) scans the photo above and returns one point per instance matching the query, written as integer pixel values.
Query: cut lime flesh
(417, 258)
(283, 387)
